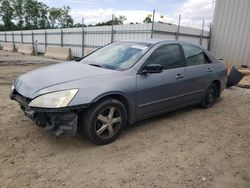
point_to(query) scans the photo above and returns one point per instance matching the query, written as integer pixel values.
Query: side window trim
(184, 58)
(181, 63)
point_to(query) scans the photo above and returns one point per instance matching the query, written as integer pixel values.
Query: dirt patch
(188, 148)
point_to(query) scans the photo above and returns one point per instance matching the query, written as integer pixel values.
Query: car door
(198, 72)
(157, 92)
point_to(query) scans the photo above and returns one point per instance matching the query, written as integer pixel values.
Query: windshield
(117, 56)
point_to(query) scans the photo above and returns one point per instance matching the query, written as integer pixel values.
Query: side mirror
(152, 68)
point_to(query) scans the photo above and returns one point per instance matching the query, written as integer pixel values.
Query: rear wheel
(104, 122)
(210, 97)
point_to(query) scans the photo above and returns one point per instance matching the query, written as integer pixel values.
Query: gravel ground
(17, 58)
(192, 147)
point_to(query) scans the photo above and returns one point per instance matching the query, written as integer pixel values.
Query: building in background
(231, 31)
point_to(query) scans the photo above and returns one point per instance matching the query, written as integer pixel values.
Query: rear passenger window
(194, 56)
(168, 56)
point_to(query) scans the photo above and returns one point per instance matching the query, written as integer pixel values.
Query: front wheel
(210, 97)
(103, 122)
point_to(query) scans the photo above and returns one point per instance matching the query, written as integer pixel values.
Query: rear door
(198, 72)
(158, 92)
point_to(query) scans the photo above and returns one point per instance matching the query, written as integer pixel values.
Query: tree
(18, 6)
(79, 25)
(119, 20)
(147, 19)
(32, 14)
(6, 12)
(116, 21)
(65, 19)
(43, 16)
(54, 16)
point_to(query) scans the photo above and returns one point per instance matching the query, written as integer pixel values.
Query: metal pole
(152, 29)
(13, 37)
(35, 51)
(13, 40)
(4, 34)
(112, 29)
(202, 30)
(83, 37)
(45, 39)
(210, 35)
(178, 28)
(21, 37)
(32, 35)
(61, 38)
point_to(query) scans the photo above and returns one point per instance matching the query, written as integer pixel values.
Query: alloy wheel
(108, 122)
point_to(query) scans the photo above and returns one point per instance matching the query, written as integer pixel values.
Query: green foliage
(6, 13)
(65, 19)
(54, 16)
(31, 14)
(147, 19)
(116, 21)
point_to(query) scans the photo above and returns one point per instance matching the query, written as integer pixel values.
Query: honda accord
(119, 84)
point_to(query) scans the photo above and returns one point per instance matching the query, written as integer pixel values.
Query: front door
(158, 92)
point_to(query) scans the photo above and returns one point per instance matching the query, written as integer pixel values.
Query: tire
(104, 121)
(210, 97)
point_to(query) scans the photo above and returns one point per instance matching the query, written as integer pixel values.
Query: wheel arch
(218, 85)
(120, 97)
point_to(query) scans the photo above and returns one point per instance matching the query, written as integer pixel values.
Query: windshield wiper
(96, 65)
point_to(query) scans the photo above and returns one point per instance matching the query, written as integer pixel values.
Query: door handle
(210, 70)
(178, 76)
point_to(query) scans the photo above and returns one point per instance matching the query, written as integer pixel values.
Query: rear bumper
(61, 121)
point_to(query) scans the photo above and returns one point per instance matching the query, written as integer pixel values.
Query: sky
(94, 11)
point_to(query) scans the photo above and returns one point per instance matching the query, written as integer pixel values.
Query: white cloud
(101, 15)
(192, 12)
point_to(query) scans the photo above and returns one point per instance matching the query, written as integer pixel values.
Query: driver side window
(167, 55)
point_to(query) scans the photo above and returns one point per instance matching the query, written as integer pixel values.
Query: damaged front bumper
(61, 121)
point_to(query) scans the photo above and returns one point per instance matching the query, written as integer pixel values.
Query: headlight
(56, 99)
(12, 88)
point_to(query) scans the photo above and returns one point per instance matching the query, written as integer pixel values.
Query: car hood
(31, 82)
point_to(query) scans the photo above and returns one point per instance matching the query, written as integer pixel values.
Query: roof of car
(155, 41)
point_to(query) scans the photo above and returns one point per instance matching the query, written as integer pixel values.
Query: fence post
(112, 29)
(178, 28)
(45, 39)
(13, 40)
(61, 38)
(202, 30)
(21, 37)
(153, 21)
(82, 37)
(32, 37)
(5, 38)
